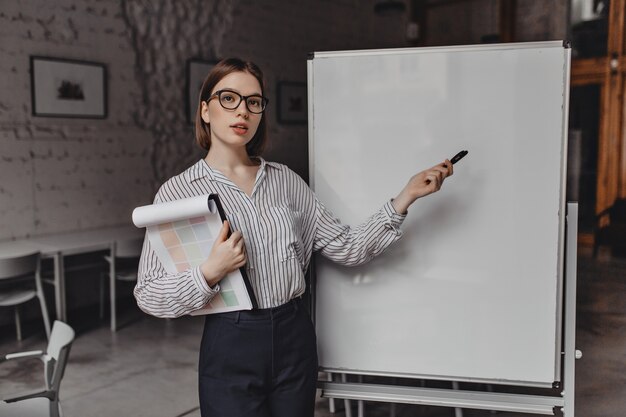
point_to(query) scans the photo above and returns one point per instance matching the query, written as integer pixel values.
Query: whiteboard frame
(430, 49)
(563, 178)
(564, 207)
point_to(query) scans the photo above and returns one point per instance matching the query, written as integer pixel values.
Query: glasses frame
(218, 94)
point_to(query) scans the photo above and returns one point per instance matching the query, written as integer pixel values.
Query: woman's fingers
(239, 250)
(235, 238)
(427, 181)
(240, 254)
(437, 172)
(442, 169)
(450, 167)
(236, 247)
(433, 180)
(239, 247)
(223, 233)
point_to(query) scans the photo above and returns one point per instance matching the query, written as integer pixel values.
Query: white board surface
(472, 290)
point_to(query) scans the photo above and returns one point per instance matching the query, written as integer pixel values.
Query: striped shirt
(282, 223)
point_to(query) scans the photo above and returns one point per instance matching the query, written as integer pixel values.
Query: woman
(261, 362)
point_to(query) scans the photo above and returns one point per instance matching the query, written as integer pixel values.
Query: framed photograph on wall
(292, 103)
(68, 88)
(197, 71)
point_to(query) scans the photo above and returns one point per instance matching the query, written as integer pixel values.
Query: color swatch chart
(188, 243)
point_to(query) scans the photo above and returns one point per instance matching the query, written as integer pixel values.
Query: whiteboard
(473, 289)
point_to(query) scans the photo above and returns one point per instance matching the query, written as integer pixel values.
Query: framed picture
(68, 88)
(292, 103)
(197, 71)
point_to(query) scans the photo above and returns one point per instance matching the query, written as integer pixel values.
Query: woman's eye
(254, 102)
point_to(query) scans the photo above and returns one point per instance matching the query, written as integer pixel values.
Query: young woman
(261, 362)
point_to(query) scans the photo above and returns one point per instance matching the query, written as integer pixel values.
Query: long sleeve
(282, 223)
(163, 294)
(169, 295)
(355, 246)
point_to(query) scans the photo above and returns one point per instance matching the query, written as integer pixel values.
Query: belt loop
(296, 304)
(237, 317)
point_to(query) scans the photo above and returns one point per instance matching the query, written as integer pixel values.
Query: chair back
(18, 266)
(57, 353)
(129, 248)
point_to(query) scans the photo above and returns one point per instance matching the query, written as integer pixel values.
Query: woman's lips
(239, 129)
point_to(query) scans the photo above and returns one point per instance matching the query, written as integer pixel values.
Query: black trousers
(259, 363)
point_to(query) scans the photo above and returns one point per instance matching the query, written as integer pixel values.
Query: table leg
(59, 287)
(112, 289)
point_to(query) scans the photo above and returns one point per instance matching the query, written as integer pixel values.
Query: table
(59, 245)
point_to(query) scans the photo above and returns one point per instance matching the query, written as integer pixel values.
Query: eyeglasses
(230, 100)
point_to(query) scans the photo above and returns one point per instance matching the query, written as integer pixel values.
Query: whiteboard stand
(569, 326)
(347, 405)
(331, 401)
(534, 404)
(361, 403)
(458, 412)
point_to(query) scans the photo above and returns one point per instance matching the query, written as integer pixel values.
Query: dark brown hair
(219, 71)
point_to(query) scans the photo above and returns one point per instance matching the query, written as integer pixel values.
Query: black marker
(456, 158)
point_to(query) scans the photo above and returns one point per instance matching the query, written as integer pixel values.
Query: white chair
(19, 274)
(42, 402)
(123, 263)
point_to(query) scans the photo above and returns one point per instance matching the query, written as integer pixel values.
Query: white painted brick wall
(59, 174)
(67, 174)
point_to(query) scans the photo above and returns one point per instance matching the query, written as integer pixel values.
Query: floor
(148, 368)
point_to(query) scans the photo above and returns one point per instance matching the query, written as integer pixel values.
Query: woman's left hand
(422, 184)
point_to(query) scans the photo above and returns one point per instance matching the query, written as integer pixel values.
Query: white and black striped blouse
(282, 224)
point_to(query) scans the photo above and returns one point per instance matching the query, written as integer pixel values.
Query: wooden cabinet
(607, 73)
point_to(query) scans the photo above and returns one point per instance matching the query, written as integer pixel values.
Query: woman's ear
(205, 112)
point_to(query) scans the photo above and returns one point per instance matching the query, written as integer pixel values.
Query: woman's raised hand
(227, 255)
(422, 184)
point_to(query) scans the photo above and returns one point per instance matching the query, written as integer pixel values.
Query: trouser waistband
(263, 313)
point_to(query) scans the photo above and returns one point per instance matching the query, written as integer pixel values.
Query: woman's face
(236, 127)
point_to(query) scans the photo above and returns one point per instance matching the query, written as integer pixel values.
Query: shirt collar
(201, 169)
(265, 164)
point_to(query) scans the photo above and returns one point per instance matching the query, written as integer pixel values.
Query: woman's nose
(242, 109)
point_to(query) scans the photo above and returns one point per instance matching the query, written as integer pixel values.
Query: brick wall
(60, 174)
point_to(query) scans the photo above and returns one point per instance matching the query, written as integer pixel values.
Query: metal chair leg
(44, 313)
(42, 304)
(112, 294)
(18, 326)
(101, 297)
